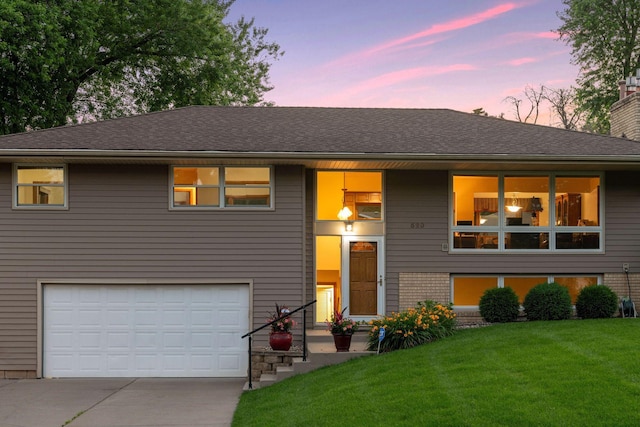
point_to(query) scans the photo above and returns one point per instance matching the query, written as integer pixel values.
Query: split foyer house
(147, 245)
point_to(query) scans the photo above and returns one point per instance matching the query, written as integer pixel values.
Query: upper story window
(221, 187)
(532, 212)
(360, 192)
(39, 186)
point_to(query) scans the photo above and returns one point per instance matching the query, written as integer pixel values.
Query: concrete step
(321, 352)
(283, 372)
(323, 336)
(322, 342)
(267, 380)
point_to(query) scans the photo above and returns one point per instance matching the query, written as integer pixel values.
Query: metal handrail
(304, 334)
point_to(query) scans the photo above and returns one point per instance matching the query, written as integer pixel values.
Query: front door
(363, 279)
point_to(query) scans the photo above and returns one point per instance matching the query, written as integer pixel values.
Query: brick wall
(625, 117)
(618, 284)
(415, 287)
(267, 361)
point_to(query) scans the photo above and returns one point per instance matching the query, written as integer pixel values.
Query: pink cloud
(521, 61)
(396, 77)
(410, 40)
(456, 24)
(546, 35)
(382, 81)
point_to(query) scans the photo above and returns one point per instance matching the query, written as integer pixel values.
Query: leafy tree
(66, 60)
(481, 112)
(605, 43)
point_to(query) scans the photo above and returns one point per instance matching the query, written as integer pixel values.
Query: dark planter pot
(280, 341)
(342, 342)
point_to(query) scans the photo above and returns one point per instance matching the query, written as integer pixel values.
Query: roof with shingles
(301, 130)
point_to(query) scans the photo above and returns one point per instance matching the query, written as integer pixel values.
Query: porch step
(321, 341)
(321, 351)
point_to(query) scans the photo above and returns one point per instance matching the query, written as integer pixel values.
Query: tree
(563, 106)
(561, 102)
(534, 98)
(605, 43)
(66, 60)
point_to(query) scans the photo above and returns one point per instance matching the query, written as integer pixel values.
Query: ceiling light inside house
(513, 207)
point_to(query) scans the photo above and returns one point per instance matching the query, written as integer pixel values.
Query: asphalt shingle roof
(320, 130)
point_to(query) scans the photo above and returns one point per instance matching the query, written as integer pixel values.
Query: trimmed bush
(499, 305)
(426, 322)
(548, 301)
(596, 302)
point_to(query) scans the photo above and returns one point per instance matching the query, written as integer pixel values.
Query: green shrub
(499, 305)
(426, 322)
(548, 301)
(596, 302)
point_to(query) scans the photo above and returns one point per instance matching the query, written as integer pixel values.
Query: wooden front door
(363, 278)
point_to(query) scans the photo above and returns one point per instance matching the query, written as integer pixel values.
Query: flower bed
(426, 322)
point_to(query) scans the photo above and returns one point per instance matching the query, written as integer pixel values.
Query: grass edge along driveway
(569, 373)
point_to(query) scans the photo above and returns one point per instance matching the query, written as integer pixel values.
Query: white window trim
(221, 186)
(65, 187)
(550, 229)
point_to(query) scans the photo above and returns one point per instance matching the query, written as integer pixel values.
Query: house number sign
(417, 225)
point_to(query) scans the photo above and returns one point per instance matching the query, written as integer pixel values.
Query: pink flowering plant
(284, 324)
(341, 325)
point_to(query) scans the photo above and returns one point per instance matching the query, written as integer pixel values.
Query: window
(40, 186)
(535, 212)
(360, 191)
(467, 290)
(218, 187)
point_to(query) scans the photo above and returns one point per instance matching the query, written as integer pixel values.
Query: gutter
(79, 155)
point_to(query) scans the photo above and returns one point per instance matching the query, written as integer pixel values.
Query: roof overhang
(319, 160)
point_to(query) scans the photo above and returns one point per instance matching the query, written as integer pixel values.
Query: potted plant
(280, 337)
(342, 328)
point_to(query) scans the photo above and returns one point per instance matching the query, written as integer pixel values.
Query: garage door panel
(116, 318)
(117, 341)
(119, 330)
(201, 318)
(89, 318)
(176, 318)
(61, 318)
(91, 341)
(229, 363)
(146, 341)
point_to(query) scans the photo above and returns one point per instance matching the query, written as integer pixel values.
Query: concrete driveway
(119, 402)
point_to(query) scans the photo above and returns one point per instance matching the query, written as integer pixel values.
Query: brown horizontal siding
(118, 226)
(309, 260)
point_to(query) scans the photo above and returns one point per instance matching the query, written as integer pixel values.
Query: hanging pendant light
(345, 212)
(513, 207)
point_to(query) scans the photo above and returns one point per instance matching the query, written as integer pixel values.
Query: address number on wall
(417, 225)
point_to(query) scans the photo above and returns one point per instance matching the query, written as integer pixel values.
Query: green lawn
(562, 373)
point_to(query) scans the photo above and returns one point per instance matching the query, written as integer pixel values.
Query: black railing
(304, 334)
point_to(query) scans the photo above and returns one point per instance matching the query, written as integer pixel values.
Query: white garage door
(145, 330)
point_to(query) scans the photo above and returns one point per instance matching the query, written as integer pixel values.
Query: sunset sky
(457, 54)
